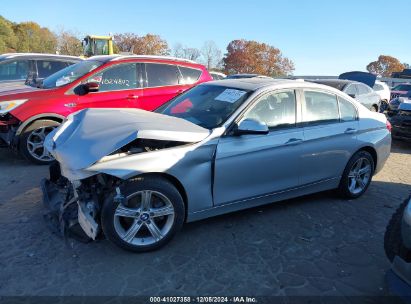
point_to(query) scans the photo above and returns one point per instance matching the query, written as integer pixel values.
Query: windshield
(70, 74)
(402, 87)
(208, 106)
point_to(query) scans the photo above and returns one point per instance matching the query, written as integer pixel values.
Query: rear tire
(137, 226)
(31, 142)
(357, 175)
(374, 108)
(393, 244)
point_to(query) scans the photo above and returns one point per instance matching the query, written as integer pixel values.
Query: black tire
(24, 136)
(157, 184)
(343, 188)
(374, 108)
(393, 244)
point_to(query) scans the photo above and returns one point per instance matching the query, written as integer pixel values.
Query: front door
(119, 88)
(249, 166)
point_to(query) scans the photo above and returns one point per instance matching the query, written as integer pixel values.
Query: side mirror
(251, 126)
(90, 87)
(86, 88)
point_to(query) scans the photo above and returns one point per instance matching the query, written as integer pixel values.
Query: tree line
(242, 56)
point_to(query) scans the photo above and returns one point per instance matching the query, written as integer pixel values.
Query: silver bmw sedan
(222, 146)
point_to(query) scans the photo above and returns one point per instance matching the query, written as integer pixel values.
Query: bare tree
(68, 43)
(211, 54)
(181, 51)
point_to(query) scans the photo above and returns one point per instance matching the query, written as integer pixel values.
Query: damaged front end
(77, 189)
(73, 208)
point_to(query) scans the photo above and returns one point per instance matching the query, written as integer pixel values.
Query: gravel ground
(314, 245)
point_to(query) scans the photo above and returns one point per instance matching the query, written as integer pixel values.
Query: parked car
(240, 76)
(383, 90)
(217, 75)
(401, 90)
(28, 115)
(397, 245)
(357, 90)
(220, 147)
(400, 119)
(16, 68)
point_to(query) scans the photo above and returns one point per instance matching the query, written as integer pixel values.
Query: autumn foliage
(141, 45)
(244, 56)
(385, 66)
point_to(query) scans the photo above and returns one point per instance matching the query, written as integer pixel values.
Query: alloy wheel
(35, 144)
(145, 218)
(359, 176)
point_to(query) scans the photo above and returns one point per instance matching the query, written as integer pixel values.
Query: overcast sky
(321, 37)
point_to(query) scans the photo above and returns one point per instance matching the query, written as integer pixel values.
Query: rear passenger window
(320, 107)
(189, 75)
(347, 110)
(159, 75)
(46, 67)
(378, 87)
(350, 90)
(362, 89)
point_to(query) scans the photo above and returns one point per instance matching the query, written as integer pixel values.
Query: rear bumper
(400, 132)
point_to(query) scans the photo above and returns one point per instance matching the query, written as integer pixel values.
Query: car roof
(254, 84)
(336, 83)
(107, 58)
(38, 55)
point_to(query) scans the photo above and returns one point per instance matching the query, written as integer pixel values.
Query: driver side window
(276, 109)
(117, 77)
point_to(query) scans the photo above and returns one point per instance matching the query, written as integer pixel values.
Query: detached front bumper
(66, 215)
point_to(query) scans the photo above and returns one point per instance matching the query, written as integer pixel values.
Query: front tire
(145, 217)
(32, 141)
(357, 175)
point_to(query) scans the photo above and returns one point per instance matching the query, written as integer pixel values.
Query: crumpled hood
(90, 134)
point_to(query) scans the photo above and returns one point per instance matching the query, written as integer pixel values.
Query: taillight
(388, 124)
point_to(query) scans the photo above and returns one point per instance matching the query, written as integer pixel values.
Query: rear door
(119, 87)
(329, 141)
(161, 83)
(249, 166)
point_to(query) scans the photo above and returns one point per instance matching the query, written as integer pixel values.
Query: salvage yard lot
(315, 245)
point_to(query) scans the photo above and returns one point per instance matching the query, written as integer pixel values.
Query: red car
(27, 115)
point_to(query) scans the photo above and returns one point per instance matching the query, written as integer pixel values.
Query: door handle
(294, 141)
(132, 96)
(350, 131)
